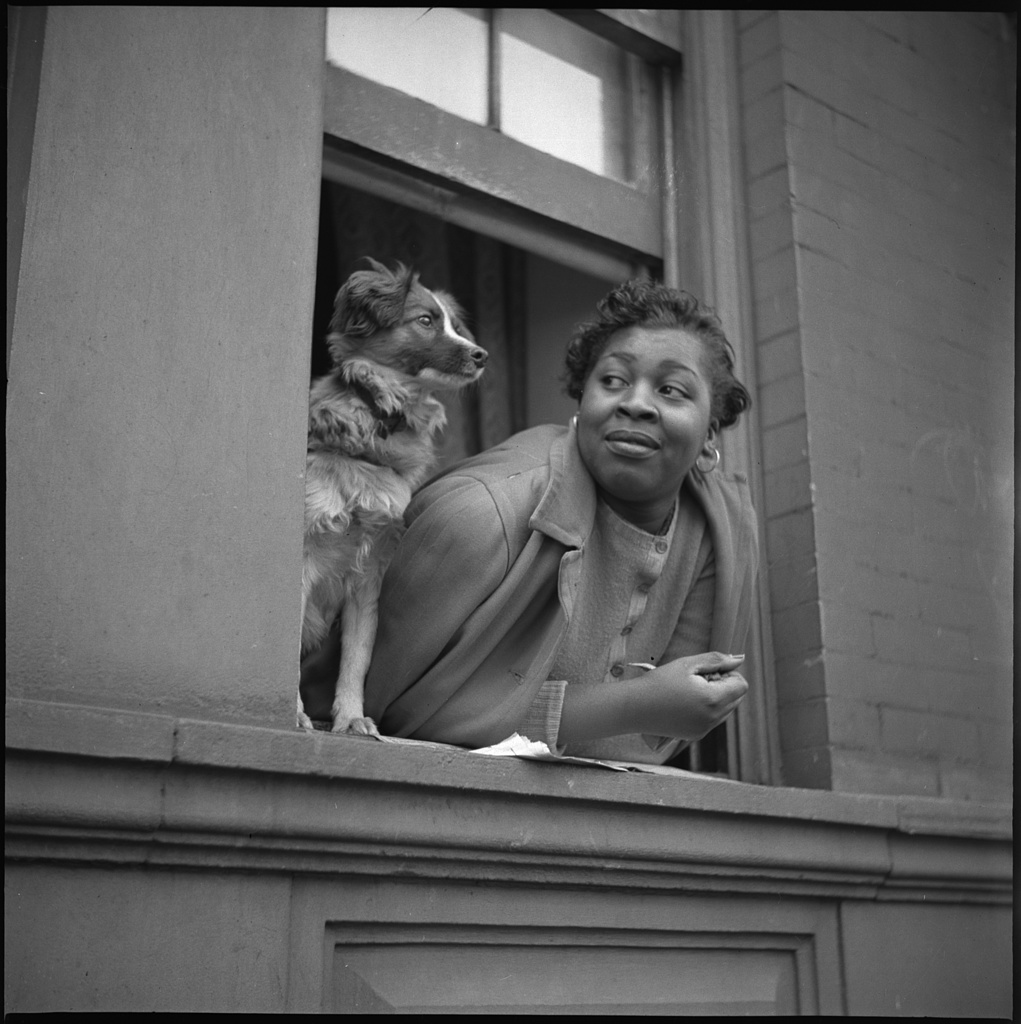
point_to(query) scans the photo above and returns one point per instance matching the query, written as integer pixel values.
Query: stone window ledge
(105, 784)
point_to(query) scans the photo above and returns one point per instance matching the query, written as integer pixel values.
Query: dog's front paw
(389, 395)
(356, 727)
(393, 398)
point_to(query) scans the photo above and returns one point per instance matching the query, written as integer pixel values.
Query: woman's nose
(637, 403)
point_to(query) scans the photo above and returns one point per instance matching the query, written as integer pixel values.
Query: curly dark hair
(639, 303)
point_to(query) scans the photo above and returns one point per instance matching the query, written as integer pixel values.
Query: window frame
(473, 176)
(454, 150)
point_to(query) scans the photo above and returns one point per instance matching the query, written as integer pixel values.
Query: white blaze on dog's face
(391, 319)
(430, 342)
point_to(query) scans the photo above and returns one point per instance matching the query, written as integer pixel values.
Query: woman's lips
(631, 443)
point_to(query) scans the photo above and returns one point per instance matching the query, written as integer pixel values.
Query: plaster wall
(126, 939)
(932, 949)
(159, 362)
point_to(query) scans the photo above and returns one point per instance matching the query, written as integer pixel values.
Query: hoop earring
(716, 461)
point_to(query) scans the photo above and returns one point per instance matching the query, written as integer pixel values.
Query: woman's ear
(714, 430)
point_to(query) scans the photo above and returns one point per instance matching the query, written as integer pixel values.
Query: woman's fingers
(723, 693)
(690, 696)
(715, 663)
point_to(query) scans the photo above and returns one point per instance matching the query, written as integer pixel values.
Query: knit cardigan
(478, 597)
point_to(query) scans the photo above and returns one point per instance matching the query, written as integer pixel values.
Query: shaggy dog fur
(371, 427)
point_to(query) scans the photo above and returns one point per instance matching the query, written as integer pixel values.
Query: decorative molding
(98, 786)
(408, 967)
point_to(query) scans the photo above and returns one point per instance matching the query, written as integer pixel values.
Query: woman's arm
(676, 699)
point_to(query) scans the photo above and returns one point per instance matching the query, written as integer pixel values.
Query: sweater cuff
(542, 720)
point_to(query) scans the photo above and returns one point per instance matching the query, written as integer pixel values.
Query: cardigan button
(617, 670)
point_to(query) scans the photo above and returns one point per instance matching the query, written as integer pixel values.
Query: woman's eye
(673, 391)
(425, 320)
(611, 381)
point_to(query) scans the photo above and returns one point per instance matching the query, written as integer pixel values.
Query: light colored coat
(479, 595)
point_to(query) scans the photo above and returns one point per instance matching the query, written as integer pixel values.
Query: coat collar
(567, 509)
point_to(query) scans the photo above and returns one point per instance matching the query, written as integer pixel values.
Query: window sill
(85, 782)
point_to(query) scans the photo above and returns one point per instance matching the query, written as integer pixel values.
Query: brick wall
(879, 154)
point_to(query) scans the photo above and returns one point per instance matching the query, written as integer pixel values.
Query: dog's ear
(377, 266)
(371, 300)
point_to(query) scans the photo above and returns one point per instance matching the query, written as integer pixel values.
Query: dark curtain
(484, 275)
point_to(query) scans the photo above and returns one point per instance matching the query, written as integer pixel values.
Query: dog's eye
(425, 320)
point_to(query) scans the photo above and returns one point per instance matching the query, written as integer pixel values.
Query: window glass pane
(439, 54)
(572, 94)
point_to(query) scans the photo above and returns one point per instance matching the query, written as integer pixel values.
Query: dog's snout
(479, 357)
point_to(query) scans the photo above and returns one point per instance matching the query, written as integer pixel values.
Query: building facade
(186, 189)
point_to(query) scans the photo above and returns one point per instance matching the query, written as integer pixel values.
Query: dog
(372, 425)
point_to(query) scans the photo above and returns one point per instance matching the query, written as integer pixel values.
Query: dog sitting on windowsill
(372, 426)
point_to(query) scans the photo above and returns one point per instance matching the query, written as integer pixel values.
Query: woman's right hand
(684, 699)
(688, 697)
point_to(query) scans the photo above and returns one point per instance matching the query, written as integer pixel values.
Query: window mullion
(495, 68)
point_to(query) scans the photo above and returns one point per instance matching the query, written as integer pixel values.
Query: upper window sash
(573, 179)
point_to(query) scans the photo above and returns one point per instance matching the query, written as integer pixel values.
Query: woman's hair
(639, 303)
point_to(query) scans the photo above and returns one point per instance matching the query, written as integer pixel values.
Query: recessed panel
(507, 973)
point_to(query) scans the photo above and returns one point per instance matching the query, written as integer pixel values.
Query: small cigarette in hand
(641, 664)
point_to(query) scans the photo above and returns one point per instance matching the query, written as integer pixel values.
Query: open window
(527, 177)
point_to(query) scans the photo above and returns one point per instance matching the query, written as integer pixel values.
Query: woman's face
(644, 419)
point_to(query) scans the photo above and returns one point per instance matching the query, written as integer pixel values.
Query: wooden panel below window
(437, 969)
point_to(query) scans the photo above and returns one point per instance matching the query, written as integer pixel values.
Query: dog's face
(390, 318)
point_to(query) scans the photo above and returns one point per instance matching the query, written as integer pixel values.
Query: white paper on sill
(535, 750)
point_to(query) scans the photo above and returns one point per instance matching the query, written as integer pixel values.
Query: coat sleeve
(452, 557)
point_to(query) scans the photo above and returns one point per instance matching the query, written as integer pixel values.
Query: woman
(538, 580)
